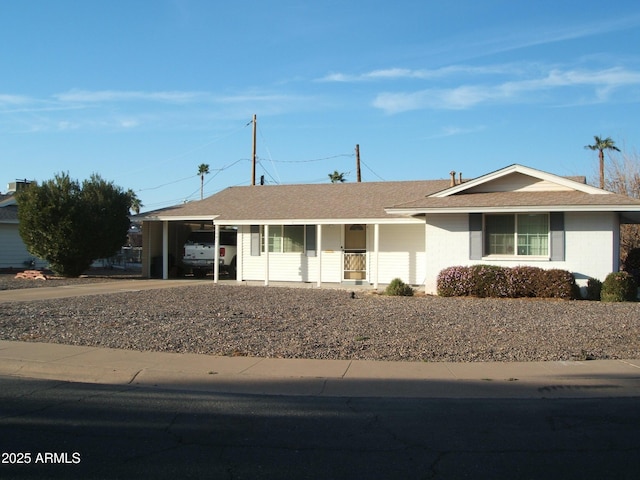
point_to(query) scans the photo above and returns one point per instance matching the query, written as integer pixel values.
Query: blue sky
(142, 92)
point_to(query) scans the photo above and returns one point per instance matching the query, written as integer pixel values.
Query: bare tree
(623, 176)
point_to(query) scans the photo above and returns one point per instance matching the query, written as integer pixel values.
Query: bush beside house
(398, 288)
(516, 282)
(619, 287)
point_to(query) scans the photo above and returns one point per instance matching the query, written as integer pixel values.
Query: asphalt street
(56, 429)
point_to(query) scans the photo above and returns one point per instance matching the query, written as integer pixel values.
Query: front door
(355, 252)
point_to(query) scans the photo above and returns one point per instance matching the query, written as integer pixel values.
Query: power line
(165, 184)
(315, 159)
(369, 168)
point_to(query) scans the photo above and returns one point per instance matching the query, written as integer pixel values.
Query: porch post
(165, 250)
(376, 248)
(266, 255)
(426, 255)
(239, 255)
(149, 233)
(216, 253)
(319, 250)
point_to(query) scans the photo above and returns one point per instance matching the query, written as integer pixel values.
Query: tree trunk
(601, 155)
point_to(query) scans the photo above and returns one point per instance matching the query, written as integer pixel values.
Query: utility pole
(358, 163)
(253, 156)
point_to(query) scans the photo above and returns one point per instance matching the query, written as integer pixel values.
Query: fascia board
(516, 209)
(288, 221)
(173, 218)
(322, 221)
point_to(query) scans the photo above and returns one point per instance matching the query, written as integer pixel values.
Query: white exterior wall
(248, 267)
(447, 245)
(14, 252)
(292, 267)
(401, 254)
(591, 247)
(332, 253)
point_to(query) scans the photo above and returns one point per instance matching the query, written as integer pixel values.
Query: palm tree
(134, 201)
(203, 170)
(602, 144)
(337, 177)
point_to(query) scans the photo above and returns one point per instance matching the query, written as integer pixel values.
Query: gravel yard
(325, 324)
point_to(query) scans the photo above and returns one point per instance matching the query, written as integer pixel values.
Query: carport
(163, 240)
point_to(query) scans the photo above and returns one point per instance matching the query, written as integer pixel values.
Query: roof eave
(176, 218)
(514, 209)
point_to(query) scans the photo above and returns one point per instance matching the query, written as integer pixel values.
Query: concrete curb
(328, 378)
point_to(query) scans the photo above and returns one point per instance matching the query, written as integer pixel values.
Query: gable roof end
(516, 168)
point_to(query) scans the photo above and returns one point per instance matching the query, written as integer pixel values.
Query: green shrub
(557, 283)
(594, 287)
(522, 281)
(619, 287)
(488, 281)
(398, 288)
(632, 264)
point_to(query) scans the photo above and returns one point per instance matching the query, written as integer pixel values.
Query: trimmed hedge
(619, 287)
(494, 281)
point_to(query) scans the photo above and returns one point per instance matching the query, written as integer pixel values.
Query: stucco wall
(591, 247)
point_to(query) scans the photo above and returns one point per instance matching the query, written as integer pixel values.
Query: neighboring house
(373, 232)
(13, 252)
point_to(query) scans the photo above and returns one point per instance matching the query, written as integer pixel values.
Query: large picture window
(288, 238)
(522, 234)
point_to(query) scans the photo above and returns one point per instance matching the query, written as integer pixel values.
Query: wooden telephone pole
(359, 179)
(253, 155)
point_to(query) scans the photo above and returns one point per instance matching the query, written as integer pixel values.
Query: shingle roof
(480, 201)
(9, 213)
(389, 200)
(315, 201)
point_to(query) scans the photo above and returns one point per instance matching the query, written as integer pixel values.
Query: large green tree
(602, 144)
(71, 224)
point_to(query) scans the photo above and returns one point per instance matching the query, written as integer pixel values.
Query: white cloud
(603, 82)
(421, 74)
(6, 99)
(128, 123)
(453, 131)
(88, 96)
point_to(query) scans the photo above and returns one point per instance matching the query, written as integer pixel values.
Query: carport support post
(216, 254)
(319, 252)
(426, 253)
(165, 250)
(266, 255)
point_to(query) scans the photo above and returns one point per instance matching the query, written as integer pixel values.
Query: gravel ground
(325, 324)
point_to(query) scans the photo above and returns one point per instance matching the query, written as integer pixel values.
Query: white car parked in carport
(199, 252)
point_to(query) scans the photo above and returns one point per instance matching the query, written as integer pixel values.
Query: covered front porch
(328, 253)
